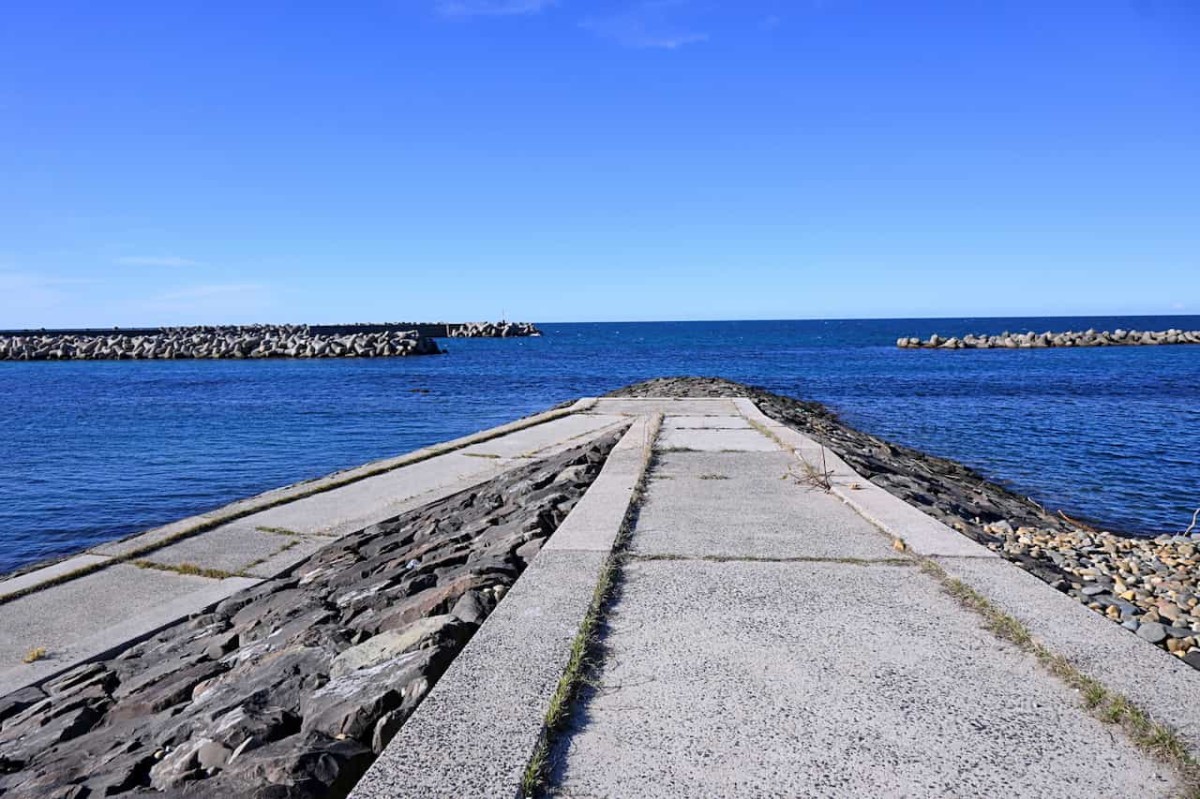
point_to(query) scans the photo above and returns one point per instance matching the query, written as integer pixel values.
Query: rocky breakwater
(1150, 586)
(254, 341)
(494, 330)
(1031, 340)
(289, 690)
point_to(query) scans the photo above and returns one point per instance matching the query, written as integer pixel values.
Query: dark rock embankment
(292, 688)
(251, 341)
(1031, 340)
(1149, 585)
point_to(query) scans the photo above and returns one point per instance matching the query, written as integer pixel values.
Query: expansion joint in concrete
(755, 559)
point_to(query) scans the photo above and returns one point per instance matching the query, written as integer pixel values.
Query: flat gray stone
(754, 679)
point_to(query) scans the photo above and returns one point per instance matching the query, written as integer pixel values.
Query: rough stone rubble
(289, 690)
(1031, 340)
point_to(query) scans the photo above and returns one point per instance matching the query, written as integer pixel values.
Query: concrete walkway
(769, 641)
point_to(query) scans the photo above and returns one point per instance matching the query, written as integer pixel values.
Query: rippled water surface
(90, 451)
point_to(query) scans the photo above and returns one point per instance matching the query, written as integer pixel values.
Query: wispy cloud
(647, 24)
(491, 8)
(157, 260)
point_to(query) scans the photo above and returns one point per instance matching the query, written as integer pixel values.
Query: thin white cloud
(646, 25)
(157, 260)
(491, 8)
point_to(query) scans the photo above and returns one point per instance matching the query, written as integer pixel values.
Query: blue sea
(91, 451)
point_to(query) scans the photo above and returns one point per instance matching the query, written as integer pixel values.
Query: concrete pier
(779, 626)
(770, 637)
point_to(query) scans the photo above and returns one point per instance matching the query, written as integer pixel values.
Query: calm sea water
(91, 451)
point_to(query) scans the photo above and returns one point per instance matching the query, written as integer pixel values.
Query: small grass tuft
(582, 662)
(277, 531)
(1156, 739)
(714, 477)
(190, 569)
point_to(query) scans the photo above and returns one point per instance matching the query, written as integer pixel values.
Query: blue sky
(187, 161)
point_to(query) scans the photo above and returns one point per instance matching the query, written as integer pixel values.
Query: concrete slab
(374, 499)
(93, 602)
(755, 514)
(100, 625)
(1155, 680)
(788, 691)
(923, 534)
(530, 441)
(706, 422)
(670, 406)
(716, 440)
(749, 468)
(339, 479)
(22, 582)
(150, 538)
(476, 731)
(354, 506)
(230, 548)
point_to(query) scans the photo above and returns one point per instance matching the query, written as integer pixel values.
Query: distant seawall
(248, 341)
(1087, 338)
(427, 329)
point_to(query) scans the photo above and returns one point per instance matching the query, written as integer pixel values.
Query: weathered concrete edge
(1157, 682)
(26, 582)
(1101, 649)
(476, 732)
(131, 631)
(20, 583)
